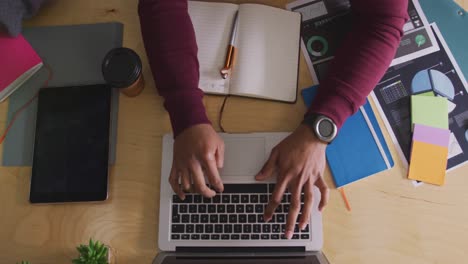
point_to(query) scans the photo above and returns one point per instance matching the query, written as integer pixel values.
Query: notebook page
(268, 53)
(212, 23)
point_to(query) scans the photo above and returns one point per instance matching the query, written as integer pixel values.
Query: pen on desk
(231, 51)
(345, 199)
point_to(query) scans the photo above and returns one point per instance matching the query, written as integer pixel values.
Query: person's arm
(171, 48)
(359, 64)
(362, 59)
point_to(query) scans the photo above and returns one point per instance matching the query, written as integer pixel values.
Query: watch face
(323, 127)
(326, 128)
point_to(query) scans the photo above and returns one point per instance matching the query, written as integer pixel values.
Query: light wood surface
(391, 221)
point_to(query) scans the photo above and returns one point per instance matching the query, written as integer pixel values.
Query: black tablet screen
(71, 149)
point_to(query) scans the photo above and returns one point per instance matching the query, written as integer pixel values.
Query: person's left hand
(299, 161)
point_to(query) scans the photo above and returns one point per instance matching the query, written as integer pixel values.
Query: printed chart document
(325, 23)
(438, 73)
(267, 47)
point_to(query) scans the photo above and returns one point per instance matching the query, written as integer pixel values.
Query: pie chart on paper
(433, 80)
(317, 46)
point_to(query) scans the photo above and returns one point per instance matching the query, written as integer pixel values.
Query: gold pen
(231, 51)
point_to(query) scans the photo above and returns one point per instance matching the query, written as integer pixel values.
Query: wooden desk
(391, 221)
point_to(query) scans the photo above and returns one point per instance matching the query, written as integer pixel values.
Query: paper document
(439, 73)
(325, 23)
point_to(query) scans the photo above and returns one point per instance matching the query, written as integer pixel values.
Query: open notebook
(267, 42)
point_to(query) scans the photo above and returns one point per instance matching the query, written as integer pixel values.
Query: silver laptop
(229, 227)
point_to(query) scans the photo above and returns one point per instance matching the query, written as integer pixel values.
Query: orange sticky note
(428, 163)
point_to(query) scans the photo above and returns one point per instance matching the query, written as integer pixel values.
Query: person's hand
(299, 161)
(198, 151)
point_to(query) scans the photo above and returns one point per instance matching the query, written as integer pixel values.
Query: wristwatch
(324, 128)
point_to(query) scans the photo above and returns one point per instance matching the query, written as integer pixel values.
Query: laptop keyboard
(236, 214)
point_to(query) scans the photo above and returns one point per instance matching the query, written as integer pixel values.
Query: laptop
(229, 227)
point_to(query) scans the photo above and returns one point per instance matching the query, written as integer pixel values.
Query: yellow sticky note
(428, 163)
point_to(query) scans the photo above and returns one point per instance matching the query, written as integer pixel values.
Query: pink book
(18, 62)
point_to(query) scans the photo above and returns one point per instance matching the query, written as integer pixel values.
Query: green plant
(93, 253)
(23, 262)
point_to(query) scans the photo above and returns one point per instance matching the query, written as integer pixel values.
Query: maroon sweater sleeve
(171, 48)
(362, 59)
(358, 65)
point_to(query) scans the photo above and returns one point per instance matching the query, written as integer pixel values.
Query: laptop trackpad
(243, 156)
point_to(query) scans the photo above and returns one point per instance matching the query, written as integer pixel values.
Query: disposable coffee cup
(122, 69)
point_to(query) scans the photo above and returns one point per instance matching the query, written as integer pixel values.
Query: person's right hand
(198, 151)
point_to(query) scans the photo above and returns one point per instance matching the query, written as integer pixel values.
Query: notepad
(429, 153)
(18, 62)
(430, 111)
(267, 47)
(359, 150)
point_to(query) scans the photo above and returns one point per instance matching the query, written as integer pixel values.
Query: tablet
(71, 149)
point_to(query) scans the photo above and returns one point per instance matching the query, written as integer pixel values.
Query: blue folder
(355, 153)
(452, 21)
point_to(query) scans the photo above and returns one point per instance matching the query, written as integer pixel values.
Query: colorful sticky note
(429, 111)
(430, 93)
(429, 153)
(431, 135)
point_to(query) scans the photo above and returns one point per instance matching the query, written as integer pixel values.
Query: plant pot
(111, 255)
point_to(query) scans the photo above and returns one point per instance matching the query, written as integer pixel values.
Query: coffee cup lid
(121, 67)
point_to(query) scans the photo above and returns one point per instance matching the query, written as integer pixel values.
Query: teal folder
(452, 21)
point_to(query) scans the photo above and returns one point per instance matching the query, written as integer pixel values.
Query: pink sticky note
(431, 135)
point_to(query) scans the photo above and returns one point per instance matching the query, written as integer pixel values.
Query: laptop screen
(277, 260)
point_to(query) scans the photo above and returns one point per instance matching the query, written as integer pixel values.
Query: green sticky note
(430, 111)
(431, 93)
